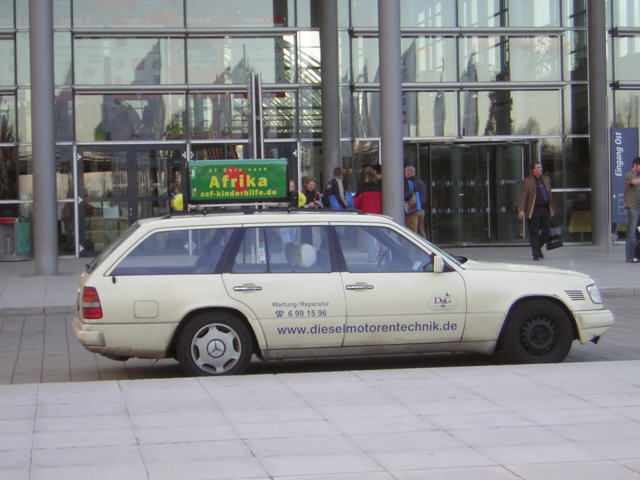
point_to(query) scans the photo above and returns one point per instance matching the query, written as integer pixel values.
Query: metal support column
(391, 110)
(329, 88)
(598, 121)
(45, 230)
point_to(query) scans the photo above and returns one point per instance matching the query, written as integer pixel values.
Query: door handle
(360, 286)
(247, 288)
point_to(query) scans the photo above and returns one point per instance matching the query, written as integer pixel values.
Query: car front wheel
(537, 332)
(214, 344)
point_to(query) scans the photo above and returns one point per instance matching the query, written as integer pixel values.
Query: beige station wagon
(213, 289)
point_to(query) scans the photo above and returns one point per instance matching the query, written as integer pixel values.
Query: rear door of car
(284, 274)
(392, 294)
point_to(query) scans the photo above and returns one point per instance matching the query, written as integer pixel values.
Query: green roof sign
(238, 181)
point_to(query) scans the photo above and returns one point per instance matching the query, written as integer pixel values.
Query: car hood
(520, 268)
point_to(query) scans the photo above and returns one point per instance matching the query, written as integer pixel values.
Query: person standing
(632, 207)
(536, 202)
(335, 188)
(369, 200)
(312, 197)
(414, 189)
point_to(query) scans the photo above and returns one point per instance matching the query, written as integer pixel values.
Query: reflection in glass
(63, 111)
(309, 57)
(576, 151)
(577, 109)
(366, 114)
(552, 163)
(510, 112)
(66, 228)
(576, 55)
(279, 114)
(576, 207)
(627, 105)
(511, 58)
(626, 13)
(8, 70)
(23, 58)
(219, 151)
(64, 172)
(310, 159)
(240, 13)
(428, 13)
(345, 111)
(124, 13)
(575, 13)
(218, 115)
(428, 59)
(6, 14)
(62, 71)
(130, 117)
(365, 61)
(310, 115)
(129, 61)
(626, 54)
(7, 118)
(24, 115)
(515, 13)
(232, 60)
(344, 57)
(429, 114)
(308, 13)
(8, 176)
(364, 13)
(25, 173)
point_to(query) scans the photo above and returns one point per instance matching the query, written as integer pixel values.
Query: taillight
(91, 307)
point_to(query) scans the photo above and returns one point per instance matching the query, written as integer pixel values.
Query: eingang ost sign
(238, 181)
(623, 148)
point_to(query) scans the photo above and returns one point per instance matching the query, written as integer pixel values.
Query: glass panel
(311, 163)
(365, 154)
(6, 14)
(219, 151)
(25, 173)
(298, 249)
(310, 113)
(577, 162)
(626, 13)
(129, 61)
(377, 249)
(428, 13)
(251, 256)
(552, 162)
(66, 228)
(124, 13)
(344, 57)
(577, 109)
(63, 115)
(22, 13)
(515, 13)
(62, 13)
(576, 56)
(576, 208)
(62, 70)
(279, 114)
(176, 252)
(22, 57)
(488, 59)
(219, 115)
(423, 59)
(430, 114)
(239, 13)
(365, 62)
(309, 57)
(505, 112)
(157, 173)
(24, 115)
(7, 118)
(626, 52)
(231, 60)
(345, 111)
(627, 104)
(64, 173)
(130, 117)
(8, 70)
(366, 115)
(364, 13)
(8, 176)
(575, 13)
(343, 14)
(308, 12)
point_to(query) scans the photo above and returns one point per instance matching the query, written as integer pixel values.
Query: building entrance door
(117, 185)
(474, 193)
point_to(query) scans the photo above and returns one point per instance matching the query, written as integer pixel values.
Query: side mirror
(438, 264)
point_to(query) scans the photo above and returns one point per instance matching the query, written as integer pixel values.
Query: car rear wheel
(537, 332)
(214, 344)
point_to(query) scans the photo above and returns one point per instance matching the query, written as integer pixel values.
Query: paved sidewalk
(532, 422)
(21, 291)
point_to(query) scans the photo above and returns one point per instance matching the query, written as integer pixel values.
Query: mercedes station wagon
(214, 289)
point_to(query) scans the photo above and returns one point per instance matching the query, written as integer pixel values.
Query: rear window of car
(176, 252)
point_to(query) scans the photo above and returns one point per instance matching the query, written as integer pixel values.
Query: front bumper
(592, 323)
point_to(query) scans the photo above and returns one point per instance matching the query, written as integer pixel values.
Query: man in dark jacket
(414, 189)
(335, 188)
(536, 205)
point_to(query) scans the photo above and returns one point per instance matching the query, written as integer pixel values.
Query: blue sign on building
(623, 148)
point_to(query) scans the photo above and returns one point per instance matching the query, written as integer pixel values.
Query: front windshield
(111, 247)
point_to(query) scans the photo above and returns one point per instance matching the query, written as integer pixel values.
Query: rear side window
(176, 252)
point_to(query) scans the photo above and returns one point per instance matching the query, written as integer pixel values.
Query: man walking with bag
(536, 202)
(415, 199)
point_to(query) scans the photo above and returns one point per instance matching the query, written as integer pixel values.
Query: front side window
(379, 249)
(177, 252)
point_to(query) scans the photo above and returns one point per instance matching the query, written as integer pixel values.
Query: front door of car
(284, 275)
(392, 294)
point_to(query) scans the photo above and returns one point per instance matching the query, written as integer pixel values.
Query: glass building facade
(143, 86)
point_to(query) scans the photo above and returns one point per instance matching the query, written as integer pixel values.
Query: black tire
(537, 332)
(214, 343)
